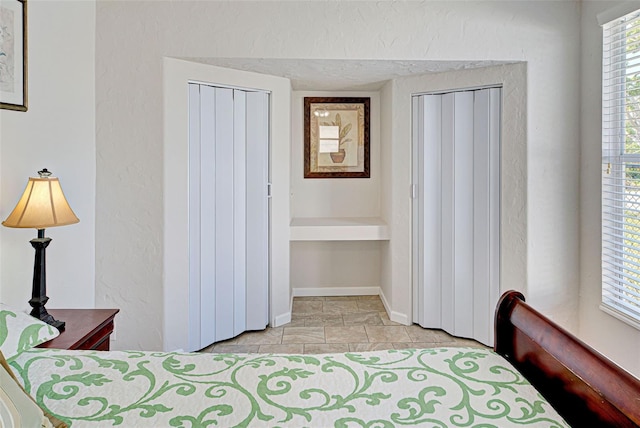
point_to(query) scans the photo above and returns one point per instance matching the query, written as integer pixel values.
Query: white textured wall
(326, 197)
(57, 132)
(326, 264)
(605, 333)
(132, 38)
(334, 264)
(386, 175)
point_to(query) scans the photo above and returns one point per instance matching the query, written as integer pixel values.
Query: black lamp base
(39, 293)
(45, 316)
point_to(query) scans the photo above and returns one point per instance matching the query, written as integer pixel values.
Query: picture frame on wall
(13, 55)
(336, 137)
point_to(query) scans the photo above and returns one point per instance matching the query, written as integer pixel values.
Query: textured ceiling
(332, 75)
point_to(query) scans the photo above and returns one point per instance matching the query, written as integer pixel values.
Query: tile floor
(337, 324)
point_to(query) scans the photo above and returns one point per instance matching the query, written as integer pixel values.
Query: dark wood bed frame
(585, 388)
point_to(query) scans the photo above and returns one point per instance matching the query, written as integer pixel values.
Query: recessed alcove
(345, 217)
(353, 236)
(336, 223)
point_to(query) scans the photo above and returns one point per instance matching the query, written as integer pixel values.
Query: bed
(537, 376)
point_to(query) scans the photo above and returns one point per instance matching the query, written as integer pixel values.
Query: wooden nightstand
(85, 329)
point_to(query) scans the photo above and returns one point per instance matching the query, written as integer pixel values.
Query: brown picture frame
(13, 55)
(336, 137)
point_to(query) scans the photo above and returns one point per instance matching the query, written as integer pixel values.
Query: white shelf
(338, 229)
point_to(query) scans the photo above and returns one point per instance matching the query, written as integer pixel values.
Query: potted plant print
(338, 157)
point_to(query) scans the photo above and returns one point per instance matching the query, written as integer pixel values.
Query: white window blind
(621, 168)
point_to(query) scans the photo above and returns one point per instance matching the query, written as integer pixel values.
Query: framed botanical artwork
(336, 137)
(13, 54)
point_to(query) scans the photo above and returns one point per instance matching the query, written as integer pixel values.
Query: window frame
(620, 227)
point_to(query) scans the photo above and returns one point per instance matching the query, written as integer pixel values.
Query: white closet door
(228, 213)
(486, 228)
(195, 113)
(427, 219)
(257, 198)
(205, 233)
(456, 211)
(222, 197)
(240, 212)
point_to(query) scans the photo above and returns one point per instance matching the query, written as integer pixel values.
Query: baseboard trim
(399, 318)
(393, 315)
(282, 319)
(336, 291)
(285, 318)
(384, 302)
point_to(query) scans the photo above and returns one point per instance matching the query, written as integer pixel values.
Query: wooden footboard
(586, 388)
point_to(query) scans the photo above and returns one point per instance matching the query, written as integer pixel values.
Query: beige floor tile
(322, 320)
(362, 318)
(235, 349)
(340, 298)
(303, 335)
(307, 307)
(207, 349)
(267, 336)
(340, 306)
(290, 348)
(420, 345)
(364, 347)
(369, 298)
(387, 333)
(339, 324)
(419, 334)
(370, 305)
(352, 334)
(442, 336)
(385, 319)
(325, 348)
(297, 322)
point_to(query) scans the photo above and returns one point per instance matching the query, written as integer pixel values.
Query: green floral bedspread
(448, 387)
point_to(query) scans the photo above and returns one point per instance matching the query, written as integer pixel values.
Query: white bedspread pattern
(447, 387)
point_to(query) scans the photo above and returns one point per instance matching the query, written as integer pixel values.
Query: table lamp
(42, 205)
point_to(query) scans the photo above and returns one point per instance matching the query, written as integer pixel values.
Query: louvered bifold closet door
(228, 213)
(257, 200)
(456, 211)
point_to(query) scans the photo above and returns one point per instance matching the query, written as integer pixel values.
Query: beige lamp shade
(41, 206)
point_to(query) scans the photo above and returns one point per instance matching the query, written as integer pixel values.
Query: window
(621, 169)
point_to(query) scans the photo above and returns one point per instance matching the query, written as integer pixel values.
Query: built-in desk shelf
(339, 229)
